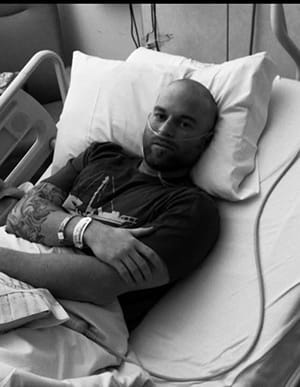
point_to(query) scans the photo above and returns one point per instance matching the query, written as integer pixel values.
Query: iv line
(261, 287)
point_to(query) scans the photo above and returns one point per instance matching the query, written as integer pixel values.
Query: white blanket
(67, 342)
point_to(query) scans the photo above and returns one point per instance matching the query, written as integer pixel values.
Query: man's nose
(167, 128)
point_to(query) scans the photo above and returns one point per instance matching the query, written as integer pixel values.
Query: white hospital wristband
(61, 230)
(79, 230)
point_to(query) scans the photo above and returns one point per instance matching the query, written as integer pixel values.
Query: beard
(160, 158)
(163, 154)
(164, 159)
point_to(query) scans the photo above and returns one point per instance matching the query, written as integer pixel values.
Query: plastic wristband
(79, 230)
(62, 227)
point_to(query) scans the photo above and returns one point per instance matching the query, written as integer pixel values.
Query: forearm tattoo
(28, 215)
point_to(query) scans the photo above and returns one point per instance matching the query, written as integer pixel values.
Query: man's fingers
(140, 231)
(142, 264)
(128, 270)
(133, 269)
(124, 272)
(149, 254)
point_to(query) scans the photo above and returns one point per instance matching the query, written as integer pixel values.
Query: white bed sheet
(207, 322)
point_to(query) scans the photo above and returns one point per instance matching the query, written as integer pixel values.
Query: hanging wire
(227, 32)
(149, 33)
(252, 29)
(133, 27)
(154, 25)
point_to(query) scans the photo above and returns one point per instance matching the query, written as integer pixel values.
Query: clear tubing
(193, 138)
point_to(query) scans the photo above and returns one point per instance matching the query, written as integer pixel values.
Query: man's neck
(175, 174)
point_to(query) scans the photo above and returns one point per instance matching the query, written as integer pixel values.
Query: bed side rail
(21, 115)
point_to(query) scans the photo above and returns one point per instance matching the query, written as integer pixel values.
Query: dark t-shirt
(109, 187)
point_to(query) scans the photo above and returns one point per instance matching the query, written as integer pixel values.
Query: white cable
(261, 287)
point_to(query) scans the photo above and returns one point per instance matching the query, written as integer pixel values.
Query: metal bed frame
(21, 114)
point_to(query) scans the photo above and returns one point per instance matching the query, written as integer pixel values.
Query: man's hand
(119, 248)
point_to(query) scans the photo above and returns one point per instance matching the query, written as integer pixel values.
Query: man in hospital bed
(134, 225)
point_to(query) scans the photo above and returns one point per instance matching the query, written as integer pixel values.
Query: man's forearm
(67, 276)
(36, 217)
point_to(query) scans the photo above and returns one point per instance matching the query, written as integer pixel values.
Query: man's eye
(185, 125)
(159, 116)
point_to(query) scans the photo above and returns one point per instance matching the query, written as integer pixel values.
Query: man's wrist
(88, 234)
(95, 231)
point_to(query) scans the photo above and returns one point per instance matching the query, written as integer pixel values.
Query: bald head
(195, 95)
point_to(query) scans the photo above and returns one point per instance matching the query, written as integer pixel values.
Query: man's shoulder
(97, 146)
(196, 203)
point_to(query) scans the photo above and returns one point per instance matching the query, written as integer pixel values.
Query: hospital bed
(236, 320)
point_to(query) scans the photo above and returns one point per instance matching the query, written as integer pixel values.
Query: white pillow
(242, 89)
(107, 101)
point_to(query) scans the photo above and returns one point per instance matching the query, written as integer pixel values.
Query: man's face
(177, 129)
